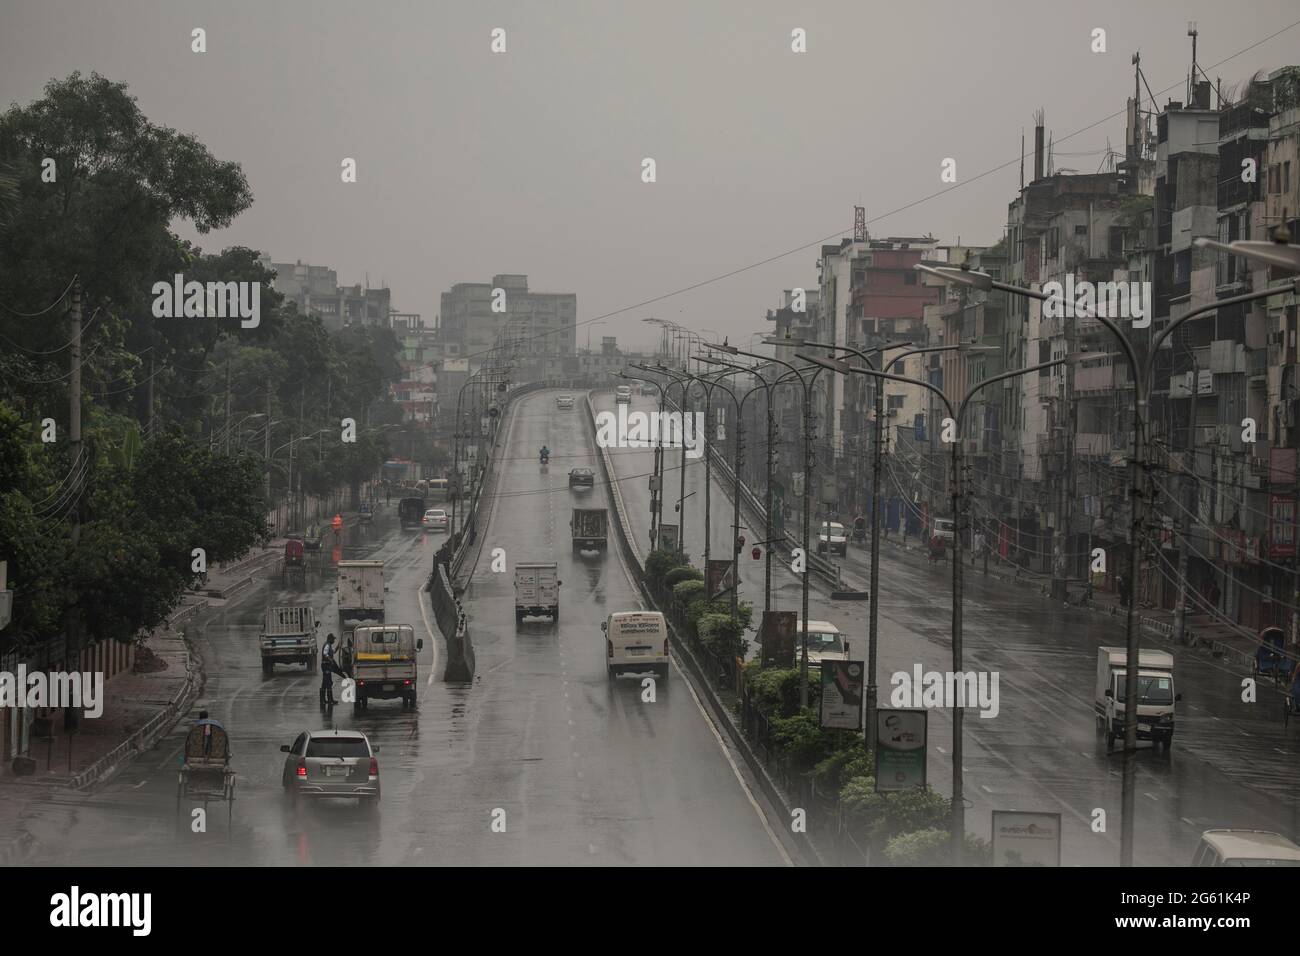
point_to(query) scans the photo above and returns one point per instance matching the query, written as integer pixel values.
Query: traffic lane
(1222, 770)
(579, 770)
(137, 818)
(1035, 753)
(633, 466)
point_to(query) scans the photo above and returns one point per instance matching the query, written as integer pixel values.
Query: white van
(1245, 848)
(635, 642)
(623, 395)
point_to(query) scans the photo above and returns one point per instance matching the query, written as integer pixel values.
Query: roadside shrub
(721, 634)
(842, 766)
(877, 818)
(678, 575)
(687, 591)
(800, 739)
(660, 563)
(919, 848)
(775, 690)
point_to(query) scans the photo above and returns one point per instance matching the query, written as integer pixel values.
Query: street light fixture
(958, 500)
(1277, 251)
(1142, 374)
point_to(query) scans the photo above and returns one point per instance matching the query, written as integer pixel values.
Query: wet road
(573, 770)
(1231, 764)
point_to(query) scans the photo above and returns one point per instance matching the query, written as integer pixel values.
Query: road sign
(842, 694)
(668, 537)
(796, 484)
(719, 577)
(900, 749)
(1026, 839)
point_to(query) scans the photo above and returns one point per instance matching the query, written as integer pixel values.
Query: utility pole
(72, 638)
(149, 397)
(1191, 509)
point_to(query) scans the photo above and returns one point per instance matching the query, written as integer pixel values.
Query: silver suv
(332, 763)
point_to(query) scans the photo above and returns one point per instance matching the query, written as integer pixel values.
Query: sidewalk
(1200, 630)
(140, 706)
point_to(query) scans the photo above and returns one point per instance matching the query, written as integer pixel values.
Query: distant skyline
(472, 163)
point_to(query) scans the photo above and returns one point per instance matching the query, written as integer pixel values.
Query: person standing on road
(327, 670)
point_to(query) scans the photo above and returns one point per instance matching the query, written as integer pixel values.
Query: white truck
(1156, 697)
(288, 637)
(383, 663)
(360, 590)
(537, 591)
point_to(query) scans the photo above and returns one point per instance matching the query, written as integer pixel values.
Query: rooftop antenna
(1192, 32)
(1022, 159)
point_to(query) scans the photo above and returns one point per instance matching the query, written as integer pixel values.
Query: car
(332, 763)
(582, 478)
(623, 395)
(1245, 848)
(833, 537)
(649, 390)
(825, 643)
(564, 401)
(435, 519)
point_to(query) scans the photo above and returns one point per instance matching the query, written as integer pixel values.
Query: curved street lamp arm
(1001, 376)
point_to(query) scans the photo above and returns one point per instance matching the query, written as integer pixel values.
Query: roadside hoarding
(776, 637)
(900, 749)
(842, 695)
(1026, 839)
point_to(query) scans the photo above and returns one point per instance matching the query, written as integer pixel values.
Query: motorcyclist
(545, 453)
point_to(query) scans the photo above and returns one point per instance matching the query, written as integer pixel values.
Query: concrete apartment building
(541, 324)
(315, 289)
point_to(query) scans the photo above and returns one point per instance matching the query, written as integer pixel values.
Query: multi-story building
(541, 325)
(315, 289)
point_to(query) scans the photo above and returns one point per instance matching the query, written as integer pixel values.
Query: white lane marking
(758, 811)
(1150, 796)
(433, 641)
(986, 788)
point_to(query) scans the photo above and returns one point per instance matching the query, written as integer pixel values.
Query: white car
(825, 643)
(1245, 848)
(833, 537)
(435, 519)
(623, 395)
(564, 401)
(943, 529)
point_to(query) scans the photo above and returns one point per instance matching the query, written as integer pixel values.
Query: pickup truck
(582, 478)
(360, 597)
(590, 529)
(288, 637)
(383, 663)
(537, 591)
(1156, 697)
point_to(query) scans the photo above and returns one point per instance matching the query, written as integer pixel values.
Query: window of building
(1080, 230)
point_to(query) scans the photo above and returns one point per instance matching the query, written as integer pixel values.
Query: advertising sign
(668, 537)
(719, 577)
(842, 683)
(900, 749)
(777, 636)
(1026, 839)
(1281, 526)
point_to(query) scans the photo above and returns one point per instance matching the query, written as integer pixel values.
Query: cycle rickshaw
(206, 774)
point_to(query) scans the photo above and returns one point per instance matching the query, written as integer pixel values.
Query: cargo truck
(1156, 697)
(537, 591)
(409, 511)
(289, 637)
(360, 591)
(384, 663)
(590, 529)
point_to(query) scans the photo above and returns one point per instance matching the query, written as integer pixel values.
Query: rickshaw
(366, 514)
(1270, 659)
(205, 773)
(295, 561)
(937, 548)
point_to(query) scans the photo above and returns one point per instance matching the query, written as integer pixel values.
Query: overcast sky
(472, 163)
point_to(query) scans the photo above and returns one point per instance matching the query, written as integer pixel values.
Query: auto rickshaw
(1270, 659)
(294, 562)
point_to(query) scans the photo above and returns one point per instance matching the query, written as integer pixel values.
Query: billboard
(1026, 839)
(842, 683)
(777, 638)
(900, 749)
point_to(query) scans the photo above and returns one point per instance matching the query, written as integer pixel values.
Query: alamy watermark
(60, 689)
(1083, 299)
(647, 429)
(211, 300)
(923, 688)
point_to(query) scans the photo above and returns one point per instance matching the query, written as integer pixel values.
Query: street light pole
(809, 463)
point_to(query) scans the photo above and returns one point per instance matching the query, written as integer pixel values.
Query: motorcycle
(544, 458)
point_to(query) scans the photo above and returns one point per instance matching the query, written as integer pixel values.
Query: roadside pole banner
(842, 695)
(777, 636)
(668, 537)
(1026, 839)
(719, 577)
(900, 749)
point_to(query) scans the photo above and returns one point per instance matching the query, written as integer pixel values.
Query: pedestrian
(1215, 594)
(977, 548)
(1122, 586)
(327, 670)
